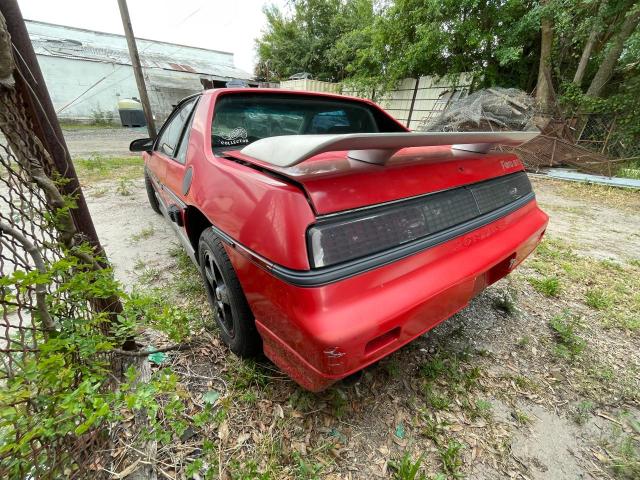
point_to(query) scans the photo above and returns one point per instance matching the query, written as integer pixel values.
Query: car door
(176, 167)
(167, 158)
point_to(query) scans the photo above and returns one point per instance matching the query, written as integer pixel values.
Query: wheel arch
(195, 223)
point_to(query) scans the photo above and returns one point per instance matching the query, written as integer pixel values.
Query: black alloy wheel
(227, 300)
(218, 292)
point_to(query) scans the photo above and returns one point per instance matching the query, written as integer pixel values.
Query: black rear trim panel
(324, 276)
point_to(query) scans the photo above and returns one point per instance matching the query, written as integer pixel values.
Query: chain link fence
(598, 133)
(47, 298)
(32, 239)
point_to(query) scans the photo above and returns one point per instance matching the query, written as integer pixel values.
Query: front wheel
(233, 315)
(151, 193)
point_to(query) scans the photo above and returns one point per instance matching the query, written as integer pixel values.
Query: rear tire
(151, 193)
(233, 315)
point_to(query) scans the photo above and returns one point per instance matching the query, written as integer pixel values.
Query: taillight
(354, 235)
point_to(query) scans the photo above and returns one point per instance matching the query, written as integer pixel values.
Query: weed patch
(436, 399)
(149, 275)
(521, 417)
(124, 187)
(451, 458)
(75, 125)
(611, 288)
(582, 412)
(569, 344)
(392, 367)
(144, 234)
(482, 409)
(598, 299)
(406, 468)
(97, 168)
(602, 194)
(453, 370)
(549, 286)
(246, 374)
(623, 448)
(626, 459)
(506, 301)
(159, 312)
(187, 282)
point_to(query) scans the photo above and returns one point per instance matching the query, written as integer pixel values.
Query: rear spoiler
(289, 150)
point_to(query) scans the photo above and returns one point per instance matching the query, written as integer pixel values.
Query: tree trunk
(544, 89)
(613, 54)
(591, 42)
(586, 54)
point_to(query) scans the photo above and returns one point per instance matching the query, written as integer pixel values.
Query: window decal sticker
(234, 137)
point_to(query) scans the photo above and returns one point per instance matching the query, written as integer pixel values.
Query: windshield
(241, 119)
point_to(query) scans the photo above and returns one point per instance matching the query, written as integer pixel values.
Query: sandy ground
(546, 446)
(85, 142)
(134, 236)
(598, 230)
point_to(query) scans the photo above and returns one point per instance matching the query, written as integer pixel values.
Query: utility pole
(137, 69)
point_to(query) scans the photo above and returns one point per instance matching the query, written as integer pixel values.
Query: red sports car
(327, 235)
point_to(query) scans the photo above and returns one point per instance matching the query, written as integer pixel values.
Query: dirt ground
(504, 389)
(85, 141)
(604, 229)
(130, 232)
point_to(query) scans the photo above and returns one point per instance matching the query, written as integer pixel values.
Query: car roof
(306, 93)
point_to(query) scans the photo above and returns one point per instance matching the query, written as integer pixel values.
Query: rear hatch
(335, 183)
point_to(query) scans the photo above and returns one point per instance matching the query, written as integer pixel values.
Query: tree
(496, 40)
(612, 55)
(594, 32)
(544, 87)
(546, 45)
(310, 39)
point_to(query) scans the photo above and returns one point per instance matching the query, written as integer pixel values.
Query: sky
(227, 25)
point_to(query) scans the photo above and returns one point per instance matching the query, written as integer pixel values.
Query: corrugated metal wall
(88, 72)
(81, 90)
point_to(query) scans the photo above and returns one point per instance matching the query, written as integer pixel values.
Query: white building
(88, 72)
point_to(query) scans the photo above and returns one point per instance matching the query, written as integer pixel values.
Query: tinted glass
(171, 133)
(242, 119)
(330, 122)
(181, 156)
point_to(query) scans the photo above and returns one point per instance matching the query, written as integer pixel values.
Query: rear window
(241, 119)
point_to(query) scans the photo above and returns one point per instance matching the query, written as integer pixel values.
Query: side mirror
(141, 145)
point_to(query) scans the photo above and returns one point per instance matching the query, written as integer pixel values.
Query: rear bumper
(319, 335)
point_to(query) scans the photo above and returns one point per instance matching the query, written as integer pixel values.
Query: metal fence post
(608, 137)
(413, 102)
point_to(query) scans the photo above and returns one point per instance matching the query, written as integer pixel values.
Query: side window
(181, 156)
(172, 132)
